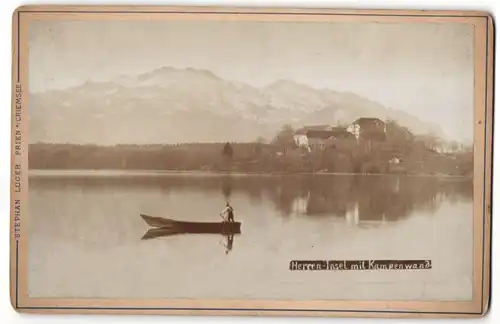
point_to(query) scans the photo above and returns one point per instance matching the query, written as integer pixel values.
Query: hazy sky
(424, 69)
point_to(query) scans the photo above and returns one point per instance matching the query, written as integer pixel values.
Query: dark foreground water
(85, 236)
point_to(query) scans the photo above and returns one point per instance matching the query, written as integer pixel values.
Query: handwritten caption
(347, 265)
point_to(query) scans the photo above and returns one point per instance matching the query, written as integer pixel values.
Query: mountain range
(176, 105)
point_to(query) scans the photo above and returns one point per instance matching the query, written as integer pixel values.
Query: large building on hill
(302, 137)
(318, 136)
(368, 129)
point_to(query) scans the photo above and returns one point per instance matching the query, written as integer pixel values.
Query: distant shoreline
(108, 173)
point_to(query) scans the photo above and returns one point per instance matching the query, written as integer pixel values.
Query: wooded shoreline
(247, 158)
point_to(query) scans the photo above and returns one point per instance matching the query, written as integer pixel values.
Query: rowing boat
(193, 227)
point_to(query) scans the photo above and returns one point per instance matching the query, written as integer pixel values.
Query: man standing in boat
(230, 212)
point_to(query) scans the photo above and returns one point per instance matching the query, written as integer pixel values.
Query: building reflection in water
(356, 199)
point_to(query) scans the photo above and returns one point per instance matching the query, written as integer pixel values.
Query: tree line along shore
(399, 152)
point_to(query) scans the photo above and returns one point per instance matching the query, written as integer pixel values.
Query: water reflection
(357, 199)
(76, 223)
(155, 233)
(229, 245)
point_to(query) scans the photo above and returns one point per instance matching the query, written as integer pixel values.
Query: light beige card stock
(237, 161)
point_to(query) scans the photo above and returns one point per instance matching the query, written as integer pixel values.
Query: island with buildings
(366, 146)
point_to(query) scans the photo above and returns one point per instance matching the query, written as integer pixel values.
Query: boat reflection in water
(164, 227)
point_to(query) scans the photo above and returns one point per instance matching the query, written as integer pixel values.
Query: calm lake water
(85, 236)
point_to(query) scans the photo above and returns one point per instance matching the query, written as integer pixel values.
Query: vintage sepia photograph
(250, 159)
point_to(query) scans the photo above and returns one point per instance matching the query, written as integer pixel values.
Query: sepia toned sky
(422, 68)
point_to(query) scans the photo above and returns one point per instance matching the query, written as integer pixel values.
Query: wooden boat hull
(180, 227)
